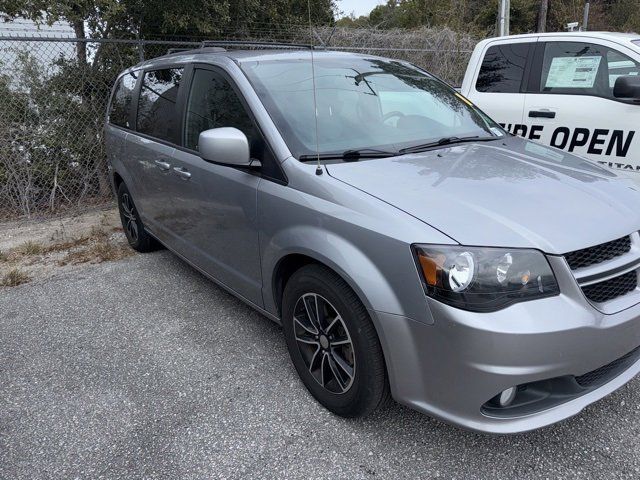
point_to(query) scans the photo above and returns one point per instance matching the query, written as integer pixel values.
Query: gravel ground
(143, 368)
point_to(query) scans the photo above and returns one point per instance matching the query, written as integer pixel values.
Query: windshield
(362, 103)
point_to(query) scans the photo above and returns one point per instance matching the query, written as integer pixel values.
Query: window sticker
(573, 72)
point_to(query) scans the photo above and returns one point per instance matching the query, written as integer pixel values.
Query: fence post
(141, 50)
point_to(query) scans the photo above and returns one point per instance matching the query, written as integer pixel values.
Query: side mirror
(628, 88)
(225, 145)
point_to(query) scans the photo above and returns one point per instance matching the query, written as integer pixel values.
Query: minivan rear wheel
(333, 343)
(137, 236)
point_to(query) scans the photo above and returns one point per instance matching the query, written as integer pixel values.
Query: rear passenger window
(157, 113)
(213, 103)
(120, 108)
(503, 67)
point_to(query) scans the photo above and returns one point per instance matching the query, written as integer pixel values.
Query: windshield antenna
(315, 98)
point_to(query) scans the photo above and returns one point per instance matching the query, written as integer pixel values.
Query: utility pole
(542, 16)
(503, 17)
(585, 21)
(508, 22)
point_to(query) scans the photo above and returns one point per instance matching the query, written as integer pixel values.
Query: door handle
(164, 166)
(182, 173)
(542, 114)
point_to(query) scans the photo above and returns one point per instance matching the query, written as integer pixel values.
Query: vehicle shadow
(396, 439)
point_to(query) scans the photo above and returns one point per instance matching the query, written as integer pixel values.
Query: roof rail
(193, 51)
(171, 51)
(242, 43)
(218, 46)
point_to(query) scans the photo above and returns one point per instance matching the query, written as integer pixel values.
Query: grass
(14, 277)
(95, 248)
(30, 248)
(31, 259)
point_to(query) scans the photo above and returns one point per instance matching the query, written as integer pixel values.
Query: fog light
(507, 396)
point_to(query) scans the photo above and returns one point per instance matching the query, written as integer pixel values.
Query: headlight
(484, 279)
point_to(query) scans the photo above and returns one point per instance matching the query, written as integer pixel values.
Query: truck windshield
(362, 103)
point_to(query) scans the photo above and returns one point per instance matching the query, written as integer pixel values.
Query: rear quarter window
(503, 67)
(121, 103)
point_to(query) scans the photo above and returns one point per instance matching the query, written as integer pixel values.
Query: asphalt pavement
(142, 368)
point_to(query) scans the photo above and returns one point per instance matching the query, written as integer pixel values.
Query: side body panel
(146, 162)
(211, 220)
(358, 236)
(116, 147)
(600, 129)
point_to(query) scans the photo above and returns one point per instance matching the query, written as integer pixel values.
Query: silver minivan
(406, 243)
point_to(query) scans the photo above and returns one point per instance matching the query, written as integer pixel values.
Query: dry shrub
(30, 248)
(98, 247)
(13, 278)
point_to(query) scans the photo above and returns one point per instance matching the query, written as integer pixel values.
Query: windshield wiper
(349, 155)
(446, 141)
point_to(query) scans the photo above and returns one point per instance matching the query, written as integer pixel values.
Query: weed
(98, 251)
(13, 278)
(30, 248)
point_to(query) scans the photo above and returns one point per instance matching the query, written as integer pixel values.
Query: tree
(479, 17)
(81, 86)
(625, 14)
(142, 18)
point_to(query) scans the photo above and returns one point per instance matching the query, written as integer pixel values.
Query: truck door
(570, 103)
(499, 88)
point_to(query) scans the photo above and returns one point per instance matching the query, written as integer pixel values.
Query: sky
(359, 7)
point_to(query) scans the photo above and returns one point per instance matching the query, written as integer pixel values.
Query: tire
(137, 236)
(341, 338)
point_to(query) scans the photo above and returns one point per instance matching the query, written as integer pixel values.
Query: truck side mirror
(628, 88)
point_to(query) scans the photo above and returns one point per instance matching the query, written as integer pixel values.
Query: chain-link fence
(54, 93)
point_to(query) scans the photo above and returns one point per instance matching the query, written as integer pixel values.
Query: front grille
(600, 253)
(602, 375)
(610, 289)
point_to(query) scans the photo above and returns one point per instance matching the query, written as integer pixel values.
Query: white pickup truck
(578, 91)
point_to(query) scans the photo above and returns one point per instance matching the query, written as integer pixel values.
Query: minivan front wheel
(332, 343)
(132, 225)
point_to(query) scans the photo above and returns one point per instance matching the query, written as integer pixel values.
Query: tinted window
(213, 104)
(503, 68)
(157, 114)
(120, 108)
(637, 42)
(577, 68)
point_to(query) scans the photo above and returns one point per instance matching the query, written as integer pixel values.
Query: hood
(505, 193)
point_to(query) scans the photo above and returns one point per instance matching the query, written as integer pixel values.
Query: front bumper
(452, 368)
